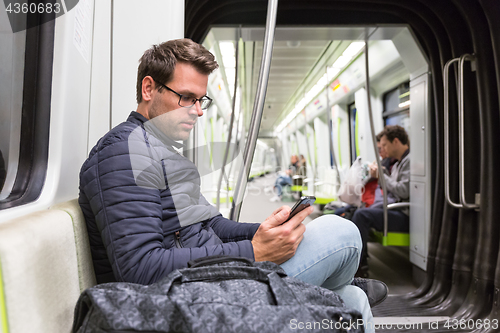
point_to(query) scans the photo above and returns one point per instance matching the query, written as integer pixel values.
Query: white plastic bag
(352, 188)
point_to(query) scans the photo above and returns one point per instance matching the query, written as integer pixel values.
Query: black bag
(215, 295)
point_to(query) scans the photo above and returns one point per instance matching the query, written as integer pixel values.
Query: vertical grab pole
(330, 131)
(231, 122)
(381, 177)
(258, 108)
(446, 134)
(313, 165)
(463, 58)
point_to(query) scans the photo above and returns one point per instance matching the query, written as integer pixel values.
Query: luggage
(216, 294)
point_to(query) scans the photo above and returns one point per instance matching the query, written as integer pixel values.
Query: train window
(397, 106)
(25, 93)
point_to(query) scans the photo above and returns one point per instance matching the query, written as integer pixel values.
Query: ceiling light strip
(343, 61)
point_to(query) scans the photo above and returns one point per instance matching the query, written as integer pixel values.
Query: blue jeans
(328, 256)
(280, 182)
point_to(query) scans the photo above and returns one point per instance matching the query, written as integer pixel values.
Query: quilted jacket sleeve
(129, 219)
(231, 231)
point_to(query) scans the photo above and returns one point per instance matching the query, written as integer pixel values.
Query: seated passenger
(387, 162)
(368, 195)
(395, 143)
(301, 174)
(146, 215)
(285, 178)
(302, 167)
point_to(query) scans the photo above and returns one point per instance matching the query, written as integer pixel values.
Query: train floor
(388, 264)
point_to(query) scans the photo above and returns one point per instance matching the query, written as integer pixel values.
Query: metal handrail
(313, 165)
(231, 122)
(258, 108)
(446, 134)
(381, 177)
(330, 130)
(398, 205)
(463, 58)
(461, 180)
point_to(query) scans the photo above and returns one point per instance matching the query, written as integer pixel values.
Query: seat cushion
(39, 272)
(86, 273)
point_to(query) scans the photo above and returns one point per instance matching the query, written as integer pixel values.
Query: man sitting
(368, 195)
(145, 212)
(395, 144)
(285, 179)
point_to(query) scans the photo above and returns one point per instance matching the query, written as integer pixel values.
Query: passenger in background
(368, 196)
(387, 162)
(394, 141)
(302, 166)
(146, 215)
(285, 178)
(3, 171)
(298, 179)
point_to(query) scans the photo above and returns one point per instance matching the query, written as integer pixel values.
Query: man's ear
(148, 88)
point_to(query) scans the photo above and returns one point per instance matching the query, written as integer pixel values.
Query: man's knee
(337, 227)
(361, 216)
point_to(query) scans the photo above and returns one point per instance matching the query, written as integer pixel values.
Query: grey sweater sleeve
(398, 183)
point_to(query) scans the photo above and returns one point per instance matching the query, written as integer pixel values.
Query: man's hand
(277, 241)
(374, 170)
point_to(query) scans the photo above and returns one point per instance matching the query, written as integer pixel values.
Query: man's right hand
(277, 241)
(373, 170)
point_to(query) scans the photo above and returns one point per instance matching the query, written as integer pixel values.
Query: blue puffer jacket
(142, 226)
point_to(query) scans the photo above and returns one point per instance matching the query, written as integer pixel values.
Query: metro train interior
(433, 67)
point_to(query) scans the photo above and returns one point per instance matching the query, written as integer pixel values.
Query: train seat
(325, 186)
(297, 183)
(86, 274)
(393, 238)
(45, 264)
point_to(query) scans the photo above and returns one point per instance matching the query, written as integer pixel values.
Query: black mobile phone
(300, 205)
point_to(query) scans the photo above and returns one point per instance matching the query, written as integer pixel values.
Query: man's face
(389, 147)
(381, 151)
(176, 121)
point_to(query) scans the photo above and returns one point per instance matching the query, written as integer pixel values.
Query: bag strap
(282, 293)
(217, 259)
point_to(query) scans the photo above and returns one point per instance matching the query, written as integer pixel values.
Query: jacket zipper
(177, 238)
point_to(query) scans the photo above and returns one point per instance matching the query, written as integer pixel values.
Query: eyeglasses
(187, 101)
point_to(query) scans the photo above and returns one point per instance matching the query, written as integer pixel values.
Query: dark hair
(396, 131)
(160, 60)
(379, 136)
